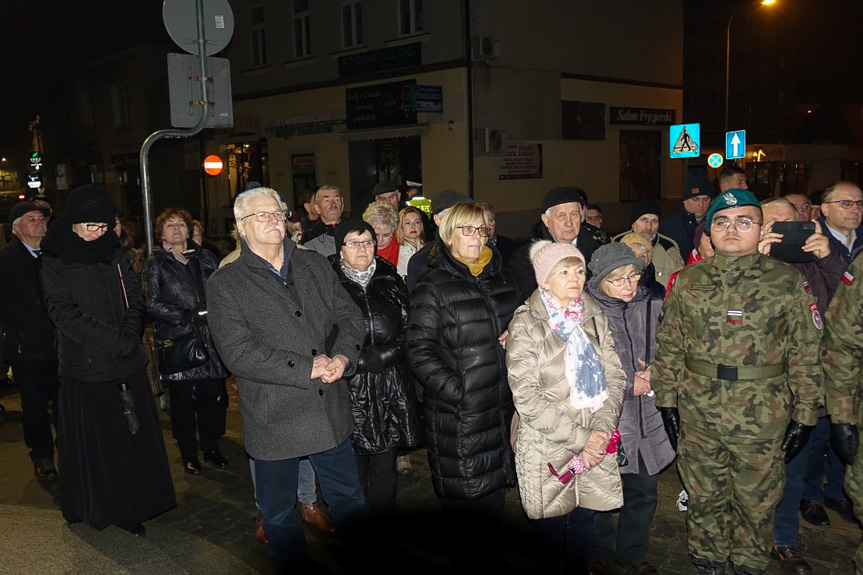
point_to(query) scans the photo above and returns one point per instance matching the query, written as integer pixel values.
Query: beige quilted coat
(549, 429)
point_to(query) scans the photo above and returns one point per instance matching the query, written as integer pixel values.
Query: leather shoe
(216, 459)
(138, 530)
(259, 529)
(644, 568)
(841, 506)
(311, 514)
(597, 568)
(790, 560)
(813, 512)
(44, 471)
(191, 465)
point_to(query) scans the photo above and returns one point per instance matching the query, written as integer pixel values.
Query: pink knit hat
(544, 255)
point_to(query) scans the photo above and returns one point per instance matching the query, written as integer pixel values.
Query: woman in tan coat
(567, 385)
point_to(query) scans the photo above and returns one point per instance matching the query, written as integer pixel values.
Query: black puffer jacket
(454, 323)
(176, 291)
(384, 413)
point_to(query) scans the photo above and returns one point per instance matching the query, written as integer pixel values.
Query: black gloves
(844, 439)
(671, 420)
(796, 438)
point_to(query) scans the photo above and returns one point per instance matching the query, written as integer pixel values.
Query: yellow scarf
(484, 258)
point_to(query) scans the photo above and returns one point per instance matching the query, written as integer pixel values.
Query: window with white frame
(352, 23)
(258, 36)
(410, 16)
(302, 33)
(120, 105)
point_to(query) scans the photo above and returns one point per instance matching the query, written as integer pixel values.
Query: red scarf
(391, 252)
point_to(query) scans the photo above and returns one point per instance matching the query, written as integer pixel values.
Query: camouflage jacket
(742, 311)
(843, 348)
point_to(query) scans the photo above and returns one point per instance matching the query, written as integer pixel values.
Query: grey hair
(783, 202)
(382, 214)
(242, 201)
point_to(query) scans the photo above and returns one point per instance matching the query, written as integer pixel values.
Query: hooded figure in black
(113, 466)
(384, 411)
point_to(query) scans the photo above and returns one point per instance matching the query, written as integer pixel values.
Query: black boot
(708, 567)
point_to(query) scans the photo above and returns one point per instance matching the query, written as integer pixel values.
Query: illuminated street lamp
(728, 49)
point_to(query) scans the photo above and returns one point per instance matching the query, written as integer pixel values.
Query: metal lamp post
(728, 49)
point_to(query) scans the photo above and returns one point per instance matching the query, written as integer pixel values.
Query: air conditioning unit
(492, 140)
(485, 47)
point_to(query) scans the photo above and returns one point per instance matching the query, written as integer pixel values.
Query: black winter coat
(454, 323)
(28, 334)
(99, 336)
(176, 291)
(383, 410)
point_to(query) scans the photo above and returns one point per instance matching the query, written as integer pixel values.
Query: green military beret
(733, 198)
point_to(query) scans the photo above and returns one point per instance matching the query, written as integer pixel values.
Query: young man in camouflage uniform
(843, 358)
(739, 335)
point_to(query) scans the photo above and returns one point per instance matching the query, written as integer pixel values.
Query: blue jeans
(823, 461)
(305, 481)
(276, 491)
(786, 518)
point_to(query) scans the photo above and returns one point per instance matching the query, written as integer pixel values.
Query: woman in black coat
(114, 470)
(178, 304)
(384, 413)
(459, 313)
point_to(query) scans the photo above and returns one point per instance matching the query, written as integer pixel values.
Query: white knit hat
(544, 255)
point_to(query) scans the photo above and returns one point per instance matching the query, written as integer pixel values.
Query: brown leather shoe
(403, 464)
(597, 568)
(259, 529)
(644, 568)
(44, 471)
(309, 513)
(790, 560)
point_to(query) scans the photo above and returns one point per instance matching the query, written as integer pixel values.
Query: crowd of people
(576, 366)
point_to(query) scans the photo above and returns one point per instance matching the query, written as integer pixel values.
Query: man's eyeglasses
(96, 227)
(280, 215)
(484, 231)
(630, 279)
(357, 244)
(847, 204)
(742, 225)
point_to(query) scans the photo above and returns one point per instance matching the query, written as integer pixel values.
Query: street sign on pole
(685, 140)
(735, 145)
(715, 160)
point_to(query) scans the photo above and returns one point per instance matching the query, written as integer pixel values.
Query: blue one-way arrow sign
(735, 145)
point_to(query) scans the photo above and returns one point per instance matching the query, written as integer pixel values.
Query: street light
(728, 49)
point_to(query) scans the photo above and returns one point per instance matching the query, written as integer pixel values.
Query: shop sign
(304, 124)
(303, 162)
(521, 161)
(380, 60)
(430, 99)
(640, 116)
(381, 105)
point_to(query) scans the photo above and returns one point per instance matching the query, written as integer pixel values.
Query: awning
(383, 133)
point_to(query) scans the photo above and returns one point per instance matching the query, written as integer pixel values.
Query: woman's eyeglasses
(96, 227)
(472, 230)
(357, 244)
(630, 279)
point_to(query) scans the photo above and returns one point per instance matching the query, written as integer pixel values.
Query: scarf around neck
(64, 243)
(484, 259)
(356, 276)
(391, 252)
(582, 365)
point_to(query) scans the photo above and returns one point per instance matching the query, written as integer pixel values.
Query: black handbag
(182, 353)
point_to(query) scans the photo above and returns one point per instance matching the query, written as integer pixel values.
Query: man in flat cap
(563, 213)
(697, 193)
(740, 337)
(666, 253)
(28, 334)
(388, 192)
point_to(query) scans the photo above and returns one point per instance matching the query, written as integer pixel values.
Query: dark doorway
(640, 165)
(373, 161)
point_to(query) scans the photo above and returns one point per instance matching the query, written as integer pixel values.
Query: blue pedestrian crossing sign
(735, 144)
(685, 140)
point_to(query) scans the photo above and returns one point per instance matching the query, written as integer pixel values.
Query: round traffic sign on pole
(213, 165)
(715, 160)
(180, 18)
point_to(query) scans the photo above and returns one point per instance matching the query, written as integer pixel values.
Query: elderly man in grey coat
(286, 328)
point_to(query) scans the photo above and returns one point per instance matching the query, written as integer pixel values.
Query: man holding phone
(822, 273)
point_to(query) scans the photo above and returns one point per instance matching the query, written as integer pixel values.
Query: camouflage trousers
(854, 489)
(734, 486)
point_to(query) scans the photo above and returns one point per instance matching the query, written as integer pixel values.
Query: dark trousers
(194, 405)
(627, 542)
(823, 462)
(563, 544)
(468, 527)
(276, 492)
(38, 382)
(787, 517)
(378, 477)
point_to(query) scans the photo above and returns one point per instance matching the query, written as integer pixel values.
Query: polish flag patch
(847, 278)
